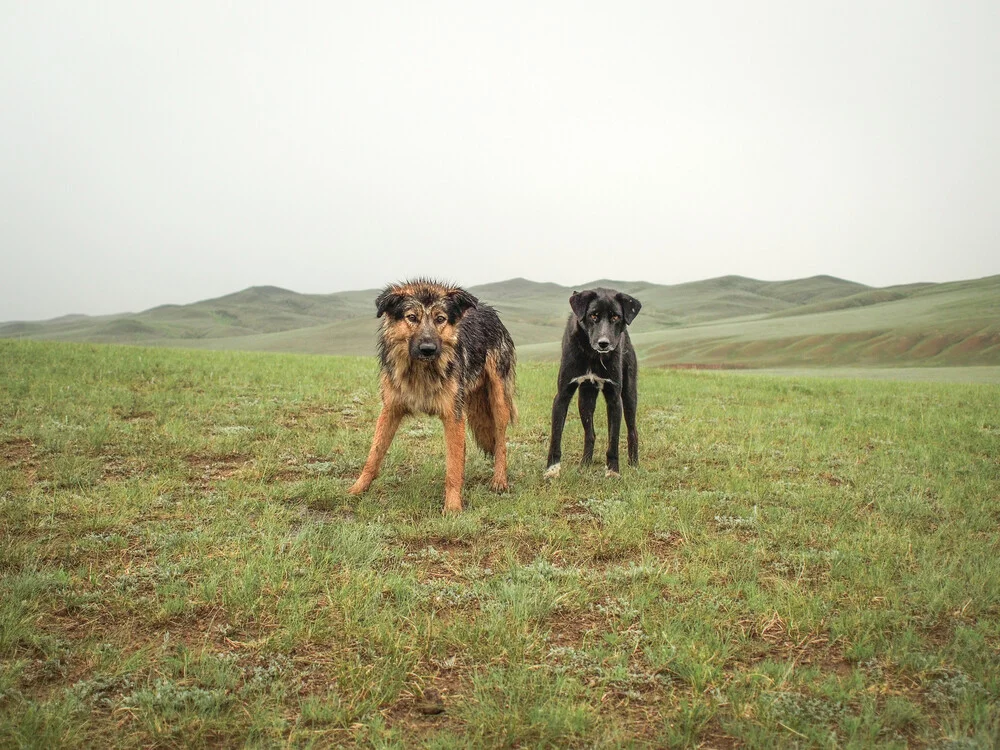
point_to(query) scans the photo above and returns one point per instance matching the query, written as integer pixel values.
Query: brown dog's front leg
(385, 431)
(454, 464)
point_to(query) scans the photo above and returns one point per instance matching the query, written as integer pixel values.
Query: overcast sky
(155, 152)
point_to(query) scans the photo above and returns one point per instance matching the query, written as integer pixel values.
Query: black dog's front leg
(588, 402)
(559, 408)
(614, 400)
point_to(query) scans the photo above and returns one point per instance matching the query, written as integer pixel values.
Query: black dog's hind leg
(588, 402)
(614, 401)
(630, 401)
(559, 408)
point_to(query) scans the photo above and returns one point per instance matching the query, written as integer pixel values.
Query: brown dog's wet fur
(443, 353)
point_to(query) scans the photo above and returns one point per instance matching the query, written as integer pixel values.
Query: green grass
(798, 562)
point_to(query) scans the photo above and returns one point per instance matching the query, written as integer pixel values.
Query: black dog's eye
(440, 319)
(412, 318)
(594, 316)
(615, 318)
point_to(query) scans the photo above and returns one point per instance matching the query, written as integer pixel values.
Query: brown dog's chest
(424, 389)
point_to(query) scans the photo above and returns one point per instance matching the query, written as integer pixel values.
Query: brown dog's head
(422, 315)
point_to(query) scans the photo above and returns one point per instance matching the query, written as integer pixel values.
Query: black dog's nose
(428, 348)
(603, 344)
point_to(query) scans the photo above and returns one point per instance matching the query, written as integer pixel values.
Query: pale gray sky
(156, 152)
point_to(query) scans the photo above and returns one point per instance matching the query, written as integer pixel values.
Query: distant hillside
(535, 312)
(729, 297)
(253, 311)
(725, 321)
(956, 323)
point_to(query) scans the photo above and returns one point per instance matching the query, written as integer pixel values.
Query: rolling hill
(729, 321)
(943, 324)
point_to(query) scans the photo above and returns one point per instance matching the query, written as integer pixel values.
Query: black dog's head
(603, 315)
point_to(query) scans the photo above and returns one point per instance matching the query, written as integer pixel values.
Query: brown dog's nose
(428, 348)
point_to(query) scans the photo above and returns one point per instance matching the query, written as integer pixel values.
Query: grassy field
(798, 562)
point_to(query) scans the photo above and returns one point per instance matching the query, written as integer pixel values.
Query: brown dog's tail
(491, 408)
(508, 387)
(479, 415)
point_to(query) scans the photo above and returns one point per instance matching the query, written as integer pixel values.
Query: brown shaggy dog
(443, 353)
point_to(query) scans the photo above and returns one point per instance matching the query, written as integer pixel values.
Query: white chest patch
(593, 380)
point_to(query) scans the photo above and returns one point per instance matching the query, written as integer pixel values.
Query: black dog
(597, 355)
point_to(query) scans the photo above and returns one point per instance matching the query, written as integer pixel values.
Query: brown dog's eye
(412, 318)
(440, 320)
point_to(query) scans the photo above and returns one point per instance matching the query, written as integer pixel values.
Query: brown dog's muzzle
(426, 344)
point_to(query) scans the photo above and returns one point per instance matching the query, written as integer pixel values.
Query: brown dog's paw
(500, 485)
(358, 487)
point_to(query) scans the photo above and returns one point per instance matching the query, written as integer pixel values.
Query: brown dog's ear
(580, 301)
(630, 306)
(460, 301)
(388, 302)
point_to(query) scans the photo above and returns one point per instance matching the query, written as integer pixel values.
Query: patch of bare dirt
(117, 468)
(20, 453)
(442, 559)
(775, 641)
(574, 511)
(835, 481)
(442, 545)
(73, 627)
(307, 414)
(427, 705)
(211, 469)
(288, 474)
(714, 738)
(130, 415)
(665, 544)
(574, 627)
(17, 451)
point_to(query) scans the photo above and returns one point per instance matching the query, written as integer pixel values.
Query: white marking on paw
(611, 473)
(552, 472)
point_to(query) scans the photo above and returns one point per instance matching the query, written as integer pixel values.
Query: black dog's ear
(580, 301)
(460, 301)
(630, 306)
(388, 302)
